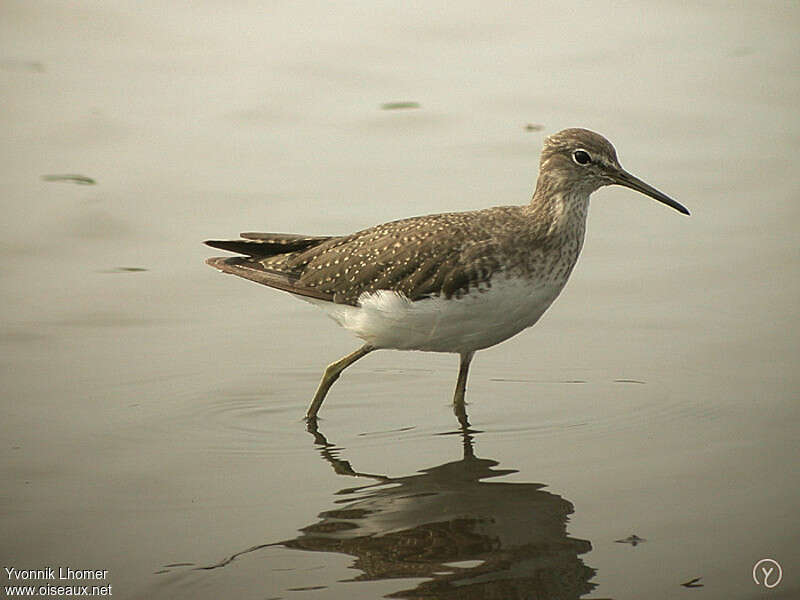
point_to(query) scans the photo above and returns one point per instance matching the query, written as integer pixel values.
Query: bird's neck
(557, 209)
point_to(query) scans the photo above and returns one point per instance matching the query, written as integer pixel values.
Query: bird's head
(579, 161)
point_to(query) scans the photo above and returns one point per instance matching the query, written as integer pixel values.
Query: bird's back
(447, 255)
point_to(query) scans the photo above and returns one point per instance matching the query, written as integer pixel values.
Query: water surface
(152, 407)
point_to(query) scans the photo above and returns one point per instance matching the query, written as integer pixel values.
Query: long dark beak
(622, 177)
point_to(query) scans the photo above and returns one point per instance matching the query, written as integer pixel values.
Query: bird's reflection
(468, 538)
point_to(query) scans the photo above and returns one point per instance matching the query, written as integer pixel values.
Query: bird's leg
(460, 410)
(331, 375)
(461, 384)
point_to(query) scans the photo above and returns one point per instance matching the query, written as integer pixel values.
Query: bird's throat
(560, 212)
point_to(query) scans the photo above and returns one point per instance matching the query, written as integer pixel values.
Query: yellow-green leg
(461, 384)
(331, 375)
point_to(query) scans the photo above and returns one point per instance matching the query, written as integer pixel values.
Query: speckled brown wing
(446, 254)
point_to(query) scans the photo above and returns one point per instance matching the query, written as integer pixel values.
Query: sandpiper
(452, 282)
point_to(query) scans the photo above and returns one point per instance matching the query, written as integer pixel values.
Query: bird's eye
(581, 157)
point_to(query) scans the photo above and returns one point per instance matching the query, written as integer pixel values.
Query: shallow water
(152, 407)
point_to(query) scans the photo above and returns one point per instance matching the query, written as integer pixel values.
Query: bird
(454, 282)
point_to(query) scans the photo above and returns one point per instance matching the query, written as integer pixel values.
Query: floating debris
(125, 270)
(693, 583)
(742, 51)
(70, 178)
(633, 540)
(399, 105)
(533, 127)
(628, 381)
(15, 64)
(510, 380)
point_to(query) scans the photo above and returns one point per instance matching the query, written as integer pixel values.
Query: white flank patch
(386, 319)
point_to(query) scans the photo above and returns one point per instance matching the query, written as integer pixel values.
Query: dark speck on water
(633, 540)
(14, 64)
(70, 178)
(125, 270)
(742, 51)
(399, 105)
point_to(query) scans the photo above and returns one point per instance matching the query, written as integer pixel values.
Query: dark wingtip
(245, 247)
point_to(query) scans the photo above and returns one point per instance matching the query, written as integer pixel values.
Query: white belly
(386, 319)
